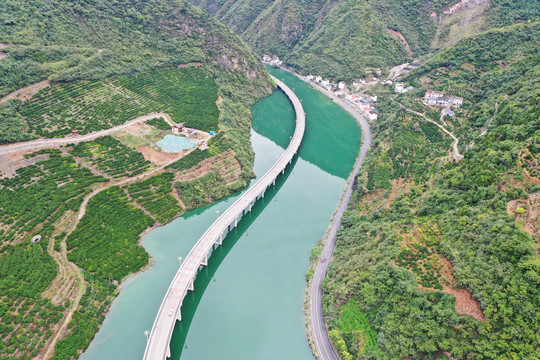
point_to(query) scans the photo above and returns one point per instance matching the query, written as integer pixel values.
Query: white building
(318, 79)
(341, 85)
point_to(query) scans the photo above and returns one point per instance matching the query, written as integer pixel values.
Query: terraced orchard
(188, 94)
(44, 192)
(155, 195)
(111, 156)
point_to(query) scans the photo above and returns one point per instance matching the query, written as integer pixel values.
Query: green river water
(247, 304)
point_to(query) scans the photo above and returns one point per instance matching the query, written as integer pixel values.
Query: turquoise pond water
(174, 144)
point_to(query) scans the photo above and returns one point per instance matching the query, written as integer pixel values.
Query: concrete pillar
(235, 221)
(179, 315)
(205, 260)
(191, 286)
(274, 182)
(283, 171)
(250, 205)
(168, 351)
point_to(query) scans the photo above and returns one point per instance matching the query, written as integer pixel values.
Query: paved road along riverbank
(323, 344)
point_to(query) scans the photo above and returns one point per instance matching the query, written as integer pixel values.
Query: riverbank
(317, 332)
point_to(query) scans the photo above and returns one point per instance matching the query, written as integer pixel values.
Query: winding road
(45, 143)
(455, 150)
(323, 344)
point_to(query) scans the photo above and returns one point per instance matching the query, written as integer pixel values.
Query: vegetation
(340, 39)
(111, 156)
(216, 145)
(204, 190)
(44, 192)
(154, 194)
(105, 242)
(159, 123)
(12, 126)
(187, 94)
(396, 237)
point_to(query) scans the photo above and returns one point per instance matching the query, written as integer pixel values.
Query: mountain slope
(440, 258)
(339, 38)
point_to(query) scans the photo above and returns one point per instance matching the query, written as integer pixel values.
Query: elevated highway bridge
(158, 345)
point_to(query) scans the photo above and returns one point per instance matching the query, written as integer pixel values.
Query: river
(247, 303)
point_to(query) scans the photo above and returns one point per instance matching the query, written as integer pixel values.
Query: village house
(448, 112)
(318, 79)
(401, 89)
(456, 100)
(325, 82)
(341, 85)
(178, 128)
(430, 94)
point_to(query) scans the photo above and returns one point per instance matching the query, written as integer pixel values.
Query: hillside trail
(485, 130)
(18, 92)
(42, 143)
(455, 151)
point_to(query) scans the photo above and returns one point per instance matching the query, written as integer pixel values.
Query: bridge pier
(205, 260)
(191, 286)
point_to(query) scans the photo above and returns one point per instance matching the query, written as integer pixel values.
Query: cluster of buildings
(272, 60)
(181, 129)
(363, 102)
(437, 98)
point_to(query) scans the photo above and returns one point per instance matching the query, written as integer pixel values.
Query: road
(323, 344)
(169, 312)
(44, 143)
(455, 151)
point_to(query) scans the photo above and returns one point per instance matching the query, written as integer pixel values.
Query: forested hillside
(71, 216)
(438, 258)
(339, 39)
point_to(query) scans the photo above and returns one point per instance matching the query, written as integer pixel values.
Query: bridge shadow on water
(206, 274)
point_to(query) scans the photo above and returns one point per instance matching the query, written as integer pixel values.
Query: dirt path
(455, 150)
(26, 92)
(42, 143)
(485, 130)
(67, 267)
(67, 270)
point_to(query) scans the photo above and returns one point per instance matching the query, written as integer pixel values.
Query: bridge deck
(157, 347)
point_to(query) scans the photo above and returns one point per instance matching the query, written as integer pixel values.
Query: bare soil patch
(138, 129)
(465, 303)
(190, 64)
(9, 163)
(159, 157)
(4, 46)
(402, 40)
(527, 214)
(2, 55)
(26, 93)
